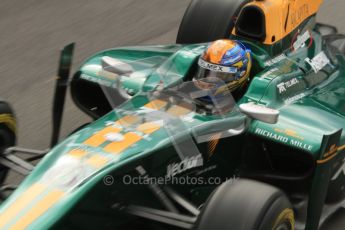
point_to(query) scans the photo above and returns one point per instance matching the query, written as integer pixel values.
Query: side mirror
(259, 112)
(116, 66)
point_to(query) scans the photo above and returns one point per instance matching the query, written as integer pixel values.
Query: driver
(223, 69)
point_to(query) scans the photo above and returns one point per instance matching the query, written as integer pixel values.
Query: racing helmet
(226, 61)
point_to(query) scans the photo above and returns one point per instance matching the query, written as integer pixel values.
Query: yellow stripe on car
(32, 209)
(127, 120)
(128, 140)
(176, 110)
(131, 138)
(97, 161)
(99, 138)
(149, 127)
(22, 201)
(156, 104)
(39, 209)
(77, 153)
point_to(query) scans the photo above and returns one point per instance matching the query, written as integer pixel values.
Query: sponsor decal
(297, 97)
(318, 62)
(286, 140)
(301, 40)
(270, 74)
(217, 68)
(300, 14)
(275, 60)
(282, 87)
(289, 132)
(276, 72)
(186, 164)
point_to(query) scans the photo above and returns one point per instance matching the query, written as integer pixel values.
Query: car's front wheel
(246, 205)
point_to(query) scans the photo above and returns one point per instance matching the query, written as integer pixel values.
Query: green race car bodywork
(81, 180)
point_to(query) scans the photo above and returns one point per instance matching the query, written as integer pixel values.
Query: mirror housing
(116, 66)
(260, 113)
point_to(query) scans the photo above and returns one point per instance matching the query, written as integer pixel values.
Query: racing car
(154, 157)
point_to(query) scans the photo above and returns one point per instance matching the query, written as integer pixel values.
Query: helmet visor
(208, 71)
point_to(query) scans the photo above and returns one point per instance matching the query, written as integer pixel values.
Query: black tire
(246, 205)
(208, 20)
(7, 133)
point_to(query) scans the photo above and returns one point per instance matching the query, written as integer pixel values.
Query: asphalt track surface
(33, 31)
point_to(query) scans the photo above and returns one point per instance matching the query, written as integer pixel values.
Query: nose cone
(72, 168)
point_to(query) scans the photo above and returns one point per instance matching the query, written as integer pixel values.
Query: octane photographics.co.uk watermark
(186, 180)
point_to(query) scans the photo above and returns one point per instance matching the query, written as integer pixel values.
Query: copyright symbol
(108, 180)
